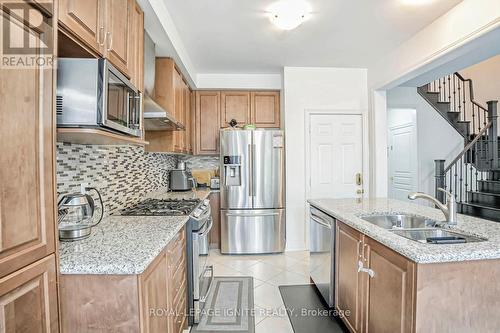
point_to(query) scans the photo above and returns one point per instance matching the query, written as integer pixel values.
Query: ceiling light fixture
(416, 2)
(289, 14)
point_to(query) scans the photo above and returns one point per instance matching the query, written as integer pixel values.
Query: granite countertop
(125, 244)
(350, 210)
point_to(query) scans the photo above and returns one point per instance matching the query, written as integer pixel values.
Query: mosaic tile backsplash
(123, 174)
(201, 162)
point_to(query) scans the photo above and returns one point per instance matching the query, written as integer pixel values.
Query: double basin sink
(419, 229)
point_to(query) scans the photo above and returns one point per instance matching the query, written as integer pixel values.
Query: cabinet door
(188, 124)
(207, 123)
(85, 19)
(179, 111)
(118, 24)
(27, 158)
(28, 299)
(154, 296)
(347, 278)
(234, 105)
(215, 232)
(266, 109)
(136, 47)
(388, 300)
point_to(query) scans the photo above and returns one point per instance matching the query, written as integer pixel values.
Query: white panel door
(402, 161)
(336, 151)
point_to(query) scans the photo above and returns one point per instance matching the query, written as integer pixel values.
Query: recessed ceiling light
(289, 14)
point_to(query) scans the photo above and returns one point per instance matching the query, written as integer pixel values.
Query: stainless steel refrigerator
(252, 191)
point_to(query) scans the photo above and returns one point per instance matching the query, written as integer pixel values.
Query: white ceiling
(236, 36)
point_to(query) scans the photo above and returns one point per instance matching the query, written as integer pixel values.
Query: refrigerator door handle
(252, 215)
(250, 171)
(253, 171)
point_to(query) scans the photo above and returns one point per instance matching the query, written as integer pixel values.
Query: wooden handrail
(468, 147)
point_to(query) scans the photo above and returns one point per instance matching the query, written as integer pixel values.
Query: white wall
(312, 89)
(440, 42)
(239, 81)
(436, 138)
(486, 80)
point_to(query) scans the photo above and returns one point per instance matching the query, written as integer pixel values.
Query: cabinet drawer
(179, 294)
(176, 253)
(178, 277)
(180, 318)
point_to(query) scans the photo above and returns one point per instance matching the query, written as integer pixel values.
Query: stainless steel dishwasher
(322, 254)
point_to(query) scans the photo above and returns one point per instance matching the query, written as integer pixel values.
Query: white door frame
(365, 156)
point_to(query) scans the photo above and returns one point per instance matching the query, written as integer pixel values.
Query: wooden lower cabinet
(389, 294)
(394, 294)
(153, 301)
(28, 299)
(347, 278)
(215, 232)
(382, 302)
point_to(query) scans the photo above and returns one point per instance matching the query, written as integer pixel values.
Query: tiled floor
(269, 272)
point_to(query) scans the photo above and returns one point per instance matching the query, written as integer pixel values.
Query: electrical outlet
(83, 187)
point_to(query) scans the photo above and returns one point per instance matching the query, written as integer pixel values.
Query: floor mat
(307, 312)
(229, 307)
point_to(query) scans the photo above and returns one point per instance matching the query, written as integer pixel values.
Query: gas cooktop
(162, 207)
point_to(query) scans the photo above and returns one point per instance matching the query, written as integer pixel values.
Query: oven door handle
(206, 213)
(207, 230)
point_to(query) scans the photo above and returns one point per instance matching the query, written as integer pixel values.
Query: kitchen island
(389, 283)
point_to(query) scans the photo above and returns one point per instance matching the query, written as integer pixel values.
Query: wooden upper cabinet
(27, 160)
(347, 279)
(136, 47)
(234, 105)
(171, 94)
(118, 26)
(28, 299)
(107, 27)
(189, 117)
(207, 123)
(86, 20)
(266, 109)
(390, 289)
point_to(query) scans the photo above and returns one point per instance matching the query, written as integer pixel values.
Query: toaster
(181, 180)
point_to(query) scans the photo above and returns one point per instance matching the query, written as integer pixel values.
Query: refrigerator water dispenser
(232, 170)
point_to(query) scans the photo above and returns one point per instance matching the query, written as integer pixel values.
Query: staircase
(474, 175)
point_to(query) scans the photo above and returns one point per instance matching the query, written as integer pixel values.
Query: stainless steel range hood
(156, 118)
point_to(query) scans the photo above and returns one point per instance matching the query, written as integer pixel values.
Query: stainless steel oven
(93, 93)
(322, 254)
(200, 274)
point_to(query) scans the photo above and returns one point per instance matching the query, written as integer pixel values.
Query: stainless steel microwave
(92, 93)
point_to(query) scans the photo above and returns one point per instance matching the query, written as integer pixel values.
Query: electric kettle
(76, 215)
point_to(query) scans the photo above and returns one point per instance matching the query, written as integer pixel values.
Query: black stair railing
(472, 165)
(459, 92)
(463, 174)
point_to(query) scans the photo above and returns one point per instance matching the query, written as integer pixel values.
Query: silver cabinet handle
(101, 36)
(370, 272)
(109, 39)
(319, 220)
